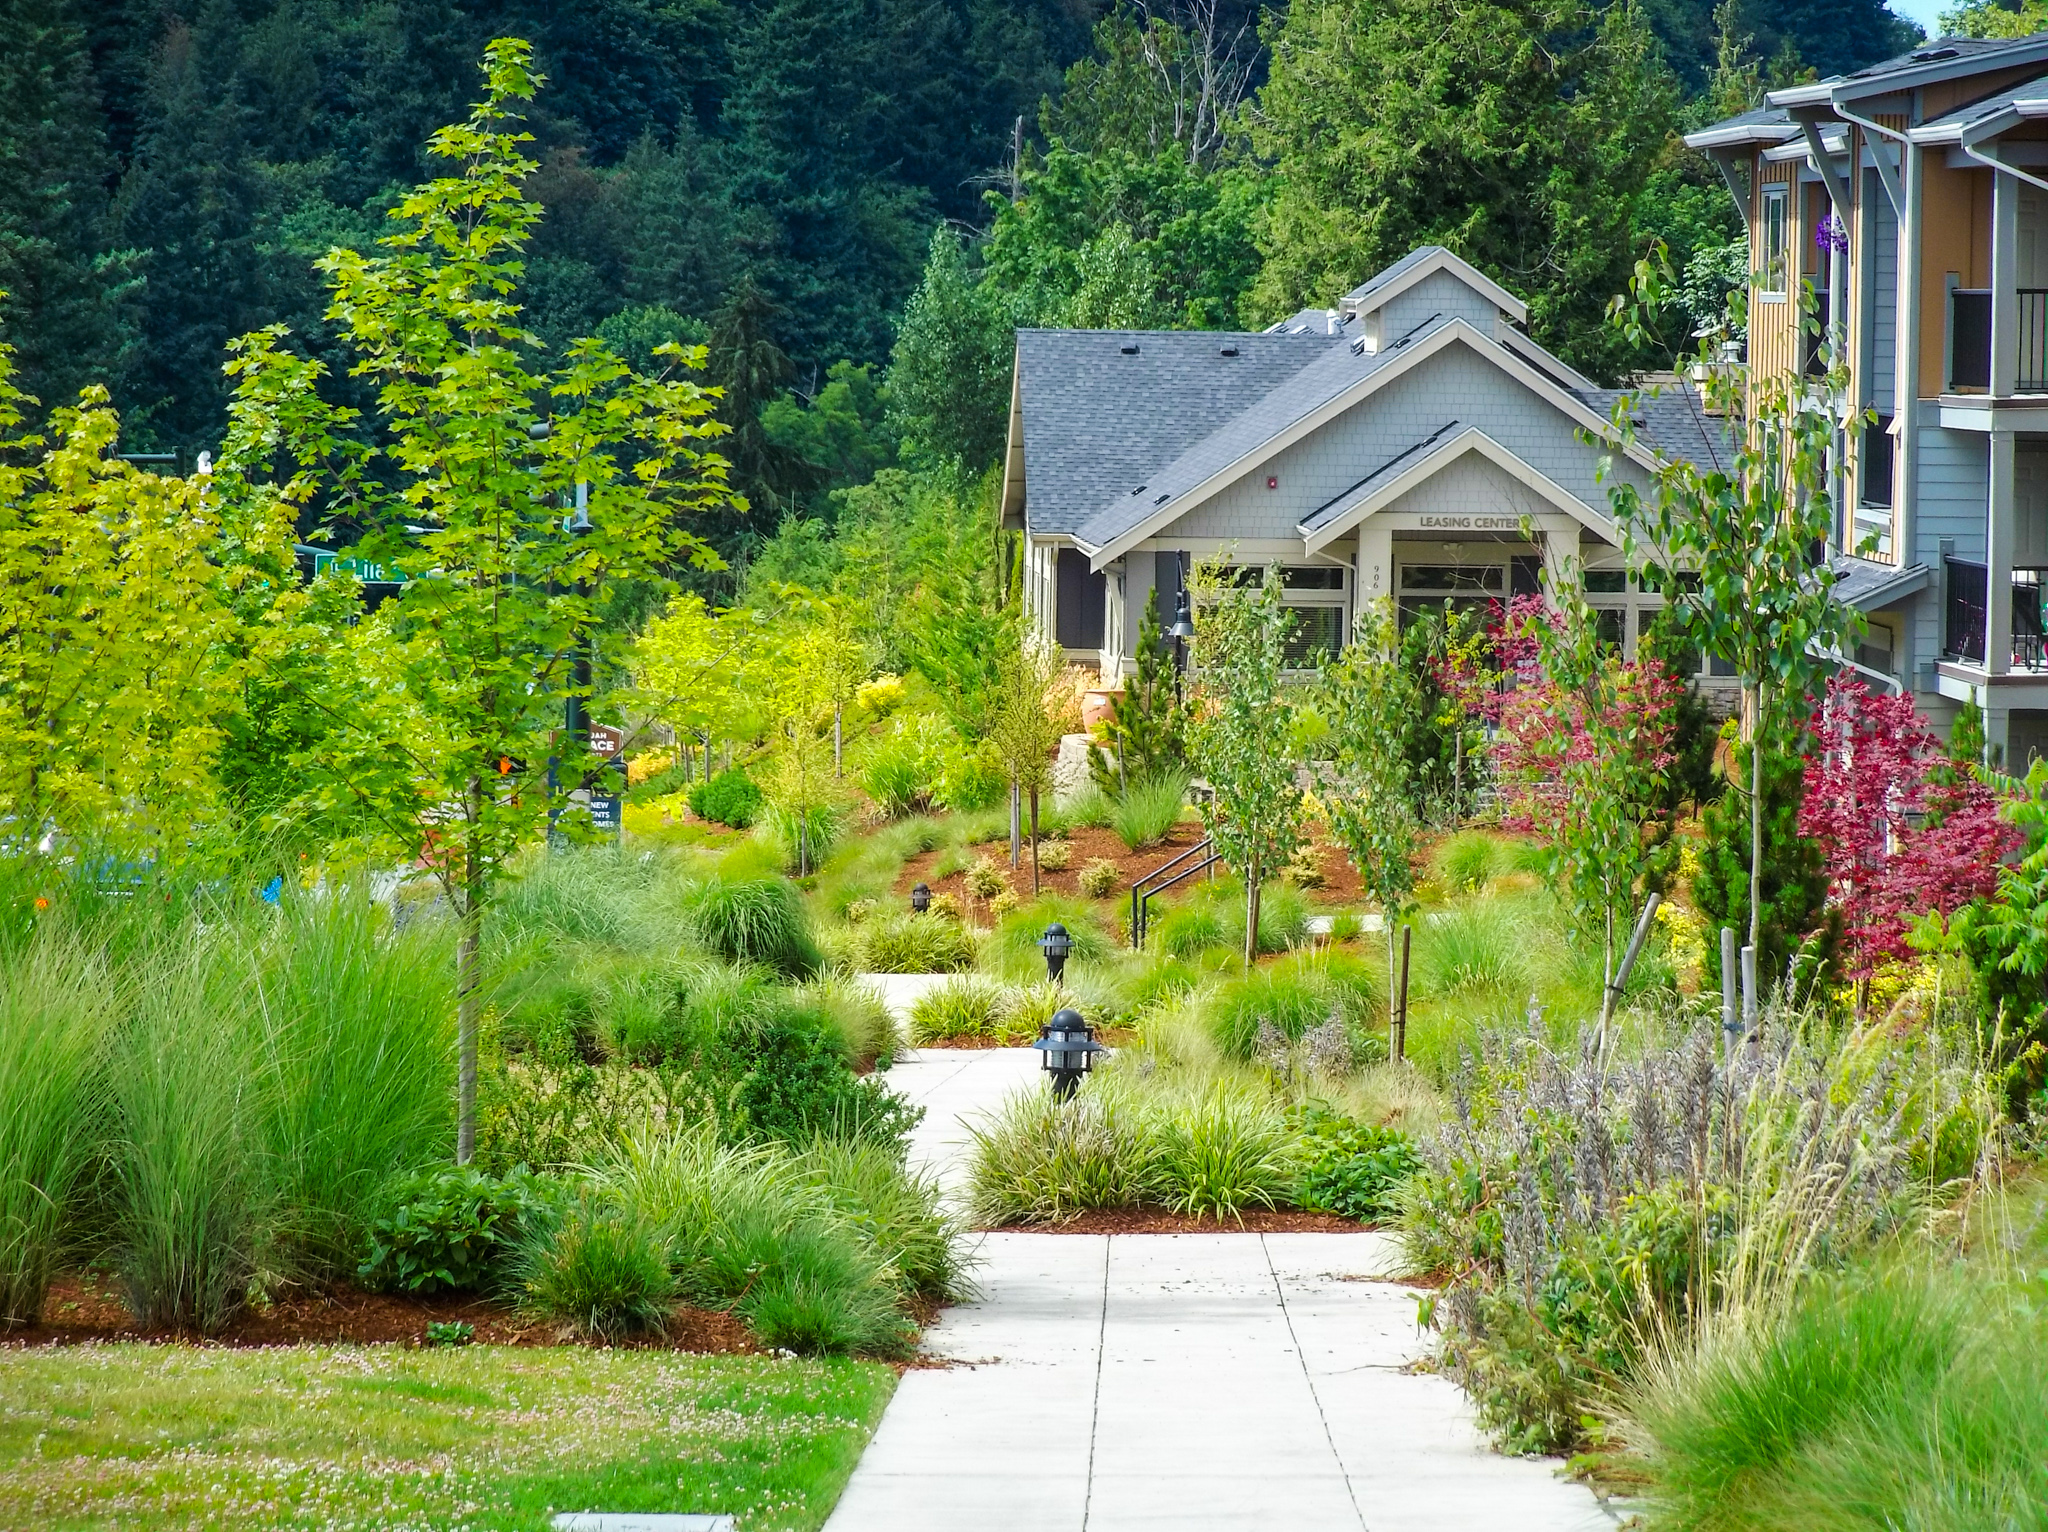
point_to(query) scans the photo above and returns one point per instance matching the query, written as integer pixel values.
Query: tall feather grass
(753, 920)
(55, 1011)
(1148, 809)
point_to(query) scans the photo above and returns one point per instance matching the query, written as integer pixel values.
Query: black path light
(920, 899)
(1066, 1050)
(1056, 945)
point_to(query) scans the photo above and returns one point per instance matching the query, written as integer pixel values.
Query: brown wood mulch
(1165, 1221)
(82, 1309)
(1340, 878)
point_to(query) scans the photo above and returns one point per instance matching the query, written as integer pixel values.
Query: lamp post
(1055, 944)
(1182, 630)
(920, 899)
(1066, 1051)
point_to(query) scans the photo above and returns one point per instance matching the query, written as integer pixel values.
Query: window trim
(1774, 198)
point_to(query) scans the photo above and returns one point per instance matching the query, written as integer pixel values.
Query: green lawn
(141, 1437)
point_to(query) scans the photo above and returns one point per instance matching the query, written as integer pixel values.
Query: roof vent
(1228, 351)
(1129, 348)
(1162, 499)
(1140, 489)
(1933, 55)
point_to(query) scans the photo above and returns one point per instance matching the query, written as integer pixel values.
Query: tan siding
(1955, 236)
(1770, 324)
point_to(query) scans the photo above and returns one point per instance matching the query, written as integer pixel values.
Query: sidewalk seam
(1095, 1408)
(1301, 1356)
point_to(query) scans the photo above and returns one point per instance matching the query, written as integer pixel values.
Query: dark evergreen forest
(853, 200)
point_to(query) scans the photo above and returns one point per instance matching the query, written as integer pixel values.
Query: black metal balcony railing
(2033, 316)
(1969, 351)
(1963, 619)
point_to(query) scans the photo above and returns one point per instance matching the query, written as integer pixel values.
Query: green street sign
(369, 571)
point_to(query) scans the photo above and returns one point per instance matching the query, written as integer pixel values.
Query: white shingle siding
(1456, 385)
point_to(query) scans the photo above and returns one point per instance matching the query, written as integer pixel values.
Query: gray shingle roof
(1336, 369)
(1357, 296)
(1940, 49)
(1673, 423)
(2027, 90)
(1098, 423)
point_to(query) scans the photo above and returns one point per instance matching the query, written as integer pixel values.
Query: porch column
(1998, 557)
(1998, 732)
(2005, 302)
(1375, 560)
(1560, 552)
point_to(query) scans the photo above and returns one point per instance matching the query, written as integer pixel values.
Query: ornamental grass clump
(962, 1008)
(1293, 998)
(753, 920)
(603, 1268)
(1585, 1205)
(55, 1014)
(913, 944)
(1902, 1395)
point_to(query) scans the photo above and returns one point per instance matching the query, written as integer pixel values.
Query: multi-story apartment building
(1913, 197)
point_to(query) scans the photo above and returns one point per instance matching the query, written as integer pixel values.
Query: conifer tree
(1145, 720)
(1795, 889)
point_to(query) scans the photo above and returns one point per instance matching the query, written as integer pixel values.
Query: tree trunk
(1458, 771)
(1034, 843)
(468, 993)
(1607, 980)
(838, 739)
(1016, 825)
(1251, 914)
(1756, 819)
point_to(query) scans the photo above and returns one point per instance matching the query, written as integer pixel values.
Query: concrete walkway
(1111, 1384)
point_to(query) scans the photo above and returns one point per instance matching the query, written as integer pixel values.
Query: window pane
(1774, 239)
(1314, 577)
(1316, 633)
(1606, 582)
(1486, 577)
(1611, 623)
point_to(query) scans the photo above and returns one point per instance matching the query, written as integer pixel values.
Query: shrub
(1306, 868)
(792, 1083)
(1900, 1397)
(1099, 878)
(1004, 902)
(447, 1229)
(1467, 861)
(962, 1007)
(866, 1029)
(896, 1210)
(914, 944)
(985, 880)
(1039, 1160)
(970, 781)
(54, 1019)
(730, 798)
(601, 1267)
(1023, 1011)
(1352, 1169)
(756, 1231)
(753, 920)
(1288, 1001)
(1148, 810)
(1055, 855)
(1220, 1151)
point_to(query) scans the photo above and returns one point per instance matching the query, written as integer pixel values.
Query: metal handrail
(1141, 896)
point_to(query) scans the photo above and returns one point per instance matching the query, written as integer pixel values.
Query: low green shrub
(1220, 1151)
(730, 798)
(970, 781)
(894, 778)
(1148, 810)
(602, 1267)
(758, 1231)
(447, 1229)
(1353, 1169)
(753, 920)
(792, 1083)
(1902, 1396)
(1213, 917)
(984, 879)
(803, 838)
(1281, 1005)
(1055, 855)
(962, 1007)
(913, 944)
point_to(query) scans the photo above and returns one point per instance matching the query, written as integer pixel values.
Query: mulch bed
(1340, 878)
(1164, 1221)
(82, 1308)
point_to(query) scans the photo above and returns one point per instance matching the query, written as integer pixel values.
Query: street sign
(605, 817)
(607, 741)
(369, 571)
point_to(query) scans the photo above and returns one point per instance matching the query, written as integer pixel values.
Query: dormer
(1427, 283)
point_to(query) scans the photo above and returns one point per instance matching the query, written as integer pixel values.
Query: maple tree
(1901, 834)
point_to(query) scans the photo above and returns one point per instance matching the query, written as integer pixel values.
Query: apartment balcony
(1968, 403)
(1965, 612)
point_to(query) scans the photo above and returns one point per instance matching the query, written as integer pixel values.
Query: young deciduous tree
(1730, 543)
(456, 687)
(690, 667)
(130, 613)
(1037, 707)
(1242, 731)
(1144, 720)
(1367, 696)
(1582, 742)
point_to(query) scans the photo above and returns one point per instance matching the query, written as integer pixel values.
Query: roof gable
(1418, 265)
